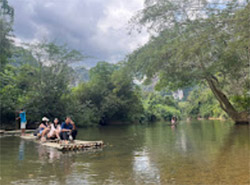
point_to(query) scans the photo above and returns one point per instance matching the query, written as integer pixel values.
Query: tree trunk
(238, 117)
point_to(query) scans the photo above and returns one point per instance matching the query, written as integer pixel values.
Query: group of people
(48, 130)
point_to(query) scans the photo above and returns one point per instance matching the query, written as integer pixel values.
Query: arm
(18, 117)
(65, 130)
(73, 124)
(42, 126)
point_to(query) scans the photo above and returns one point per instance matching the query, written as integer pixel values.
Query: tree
(110, 95)
(201, 103)
(6, 22)
(160, 107)
(37, 79)
(197, 42)
(42, 91)
(7, 89)
(44, 86)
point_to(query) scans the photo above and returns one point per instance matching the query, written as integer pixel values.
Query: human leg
(44, 133)
(74, 133)
(23, 127)
(64, 135)
(57, 134)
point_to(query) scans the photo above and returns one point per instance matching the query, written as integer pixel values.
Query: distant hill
(180, 94)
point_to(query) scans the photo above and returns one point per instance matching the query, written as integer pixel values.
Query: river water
(199, 152)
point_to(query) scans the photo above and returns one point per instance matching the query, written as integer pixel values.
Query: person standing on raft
(23, 121)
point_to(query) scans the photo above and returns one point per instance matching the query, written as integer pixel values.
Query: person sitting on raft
(44, 124)
(68, 129)
(55, 130)
(46, 130)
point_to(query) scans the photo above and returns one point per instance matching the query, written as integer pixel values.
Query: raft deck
(76, 145)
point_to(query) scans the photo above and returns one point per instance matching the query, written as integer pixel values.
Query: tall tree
(197, 41)
(6, 21)
(7, 90)
(47, 83)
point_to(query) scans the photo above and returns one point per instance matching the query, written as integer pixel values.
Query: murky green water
(207, 152)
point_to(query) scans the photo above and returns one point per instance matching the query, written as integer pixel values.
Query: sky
(97, 28)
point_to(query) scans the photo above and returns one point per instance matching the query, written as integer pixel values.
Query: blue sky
(98, 28)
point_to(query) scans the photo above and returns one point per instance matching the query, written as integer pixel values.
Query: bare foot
(43, 139)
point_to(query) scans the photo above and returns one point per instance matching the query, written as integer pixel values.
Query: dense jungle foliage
(208, 58)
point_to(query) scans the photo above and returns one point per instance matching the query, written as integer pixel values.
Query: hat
(45, 119)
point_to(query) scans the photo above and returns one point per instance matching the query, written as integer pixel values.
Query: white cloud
(97, 27)
(114, 27)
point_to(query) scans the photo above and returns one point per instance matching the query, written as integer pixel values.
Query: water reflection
(47, 154)
(204, 152)
(183, 141)
(144, 169)
(21, 150)
(236, 148)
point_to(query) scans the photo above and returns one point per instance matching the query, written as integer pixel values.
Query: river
(197, 152)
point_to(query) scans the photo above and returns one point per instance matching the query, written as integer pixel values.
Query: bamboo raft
(76, 145)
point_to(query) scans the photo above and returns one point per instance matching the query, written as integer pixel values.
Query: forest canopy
(198, 42)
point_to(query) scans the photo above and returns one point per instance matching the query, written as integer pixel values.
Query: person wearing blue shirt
(68, 129)
(23, 121)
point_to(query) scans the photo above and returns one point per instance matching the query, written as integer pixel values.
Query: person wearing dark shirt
(68, 128)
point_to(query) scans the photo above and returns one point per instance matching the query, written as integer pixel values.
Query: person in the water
(173, 120)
